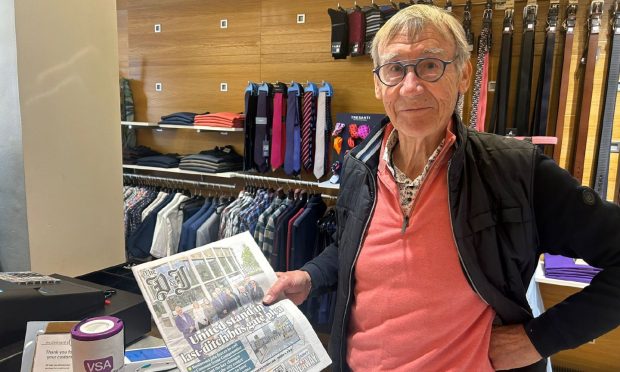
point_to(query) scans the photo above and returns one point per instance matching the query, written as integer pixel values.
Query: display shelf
(199, 128)
(178, 171)
(540, 277)
(138, 124)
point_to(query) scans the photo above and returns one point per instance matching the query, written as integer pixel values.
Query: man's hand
(294, 285)
(511, 348)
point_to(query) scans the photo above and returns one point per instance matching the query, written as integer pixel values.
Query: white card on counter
(53, 353)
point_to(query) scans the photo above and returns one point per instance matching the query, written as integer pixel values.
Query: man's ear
(465, 78)
(378, 93)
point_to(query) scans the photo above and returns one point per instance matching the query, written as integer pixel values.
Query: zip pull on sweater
(405, 225)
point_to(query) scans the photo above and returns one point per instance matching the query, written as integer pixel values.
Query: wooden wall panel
(123, 37)
(263, 42)
(186, 141)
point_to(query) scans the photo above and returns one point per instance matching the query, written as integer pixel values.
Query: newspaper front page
(207, 304)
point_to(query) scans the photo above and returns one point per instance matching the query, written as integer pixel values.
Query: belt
(526, 64)
(543, 91)
(497, 124)
(569, 27)
(476, 117)
(607, 119)
(594, 25)
(469, 35)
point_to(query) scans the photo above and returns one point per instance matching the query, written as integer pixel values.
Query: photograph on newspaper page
(207, 305)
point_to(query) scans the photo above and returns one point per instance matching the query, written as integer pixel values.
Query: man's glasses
(427, 69)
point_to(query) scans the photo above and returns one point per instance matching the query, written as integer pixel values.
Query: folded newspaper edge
(207, 305)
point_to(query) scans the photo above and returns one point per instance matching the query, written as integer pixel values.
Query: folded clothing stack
(132, 154)
(220, 159)
(220, 119)
(160, 161)
(566, 268)
(180, 118)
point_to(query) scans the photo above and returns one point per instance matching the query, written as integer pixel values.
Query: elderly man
(440, 228)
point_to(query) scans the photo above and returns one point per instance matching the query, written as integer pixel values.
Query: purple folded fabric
(565, 268)
(571, 278)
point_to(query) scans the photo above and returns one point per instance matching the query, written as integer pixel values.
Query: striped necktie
(307, 126)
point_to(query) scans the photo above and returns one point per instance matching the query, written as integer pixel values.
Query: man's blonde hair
(412, 20)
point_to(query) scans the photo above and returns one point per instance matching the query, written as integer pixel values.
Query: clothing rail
(175, 181)
(281, 181)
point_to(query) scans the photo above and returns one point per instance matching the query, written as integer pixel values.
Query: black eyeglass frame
(413, 63)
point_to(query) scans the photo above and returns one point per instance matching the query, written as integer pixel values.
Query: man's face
(419, 108)
(178, 310)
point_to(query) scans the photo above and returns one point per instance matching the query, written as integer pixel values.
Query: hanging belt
(526, 63)
(594, 25)
(476, 118)
(569, 27)
(543, 91)
(470, 47)
(607, 119)
(467, 25)
(497, 123)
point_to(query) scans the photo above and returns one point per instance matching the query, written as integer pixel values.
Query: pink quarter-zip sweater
(414, 309)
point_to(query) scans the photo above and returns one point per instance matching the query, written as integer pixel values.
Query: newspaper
(207, 304)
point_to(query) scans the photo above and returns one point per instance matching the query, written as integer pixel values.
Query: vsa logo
(99, 365)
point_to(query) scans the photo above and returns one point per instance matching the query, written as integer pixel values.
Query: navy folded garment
(180, 118)
(566, 268)
(176, 122)
(210, 170)
(160, 161)
(219, 155)
(132, 154)
(194, 160)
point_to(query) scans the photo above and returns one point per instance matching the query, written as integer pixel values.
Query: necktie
(248, 128)
(307, 125)
(278, 135)
(261, 139)
(321, 124)
(596, 11)
(569, 24)
(524, 81)
(607, 119)
(293, 138)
